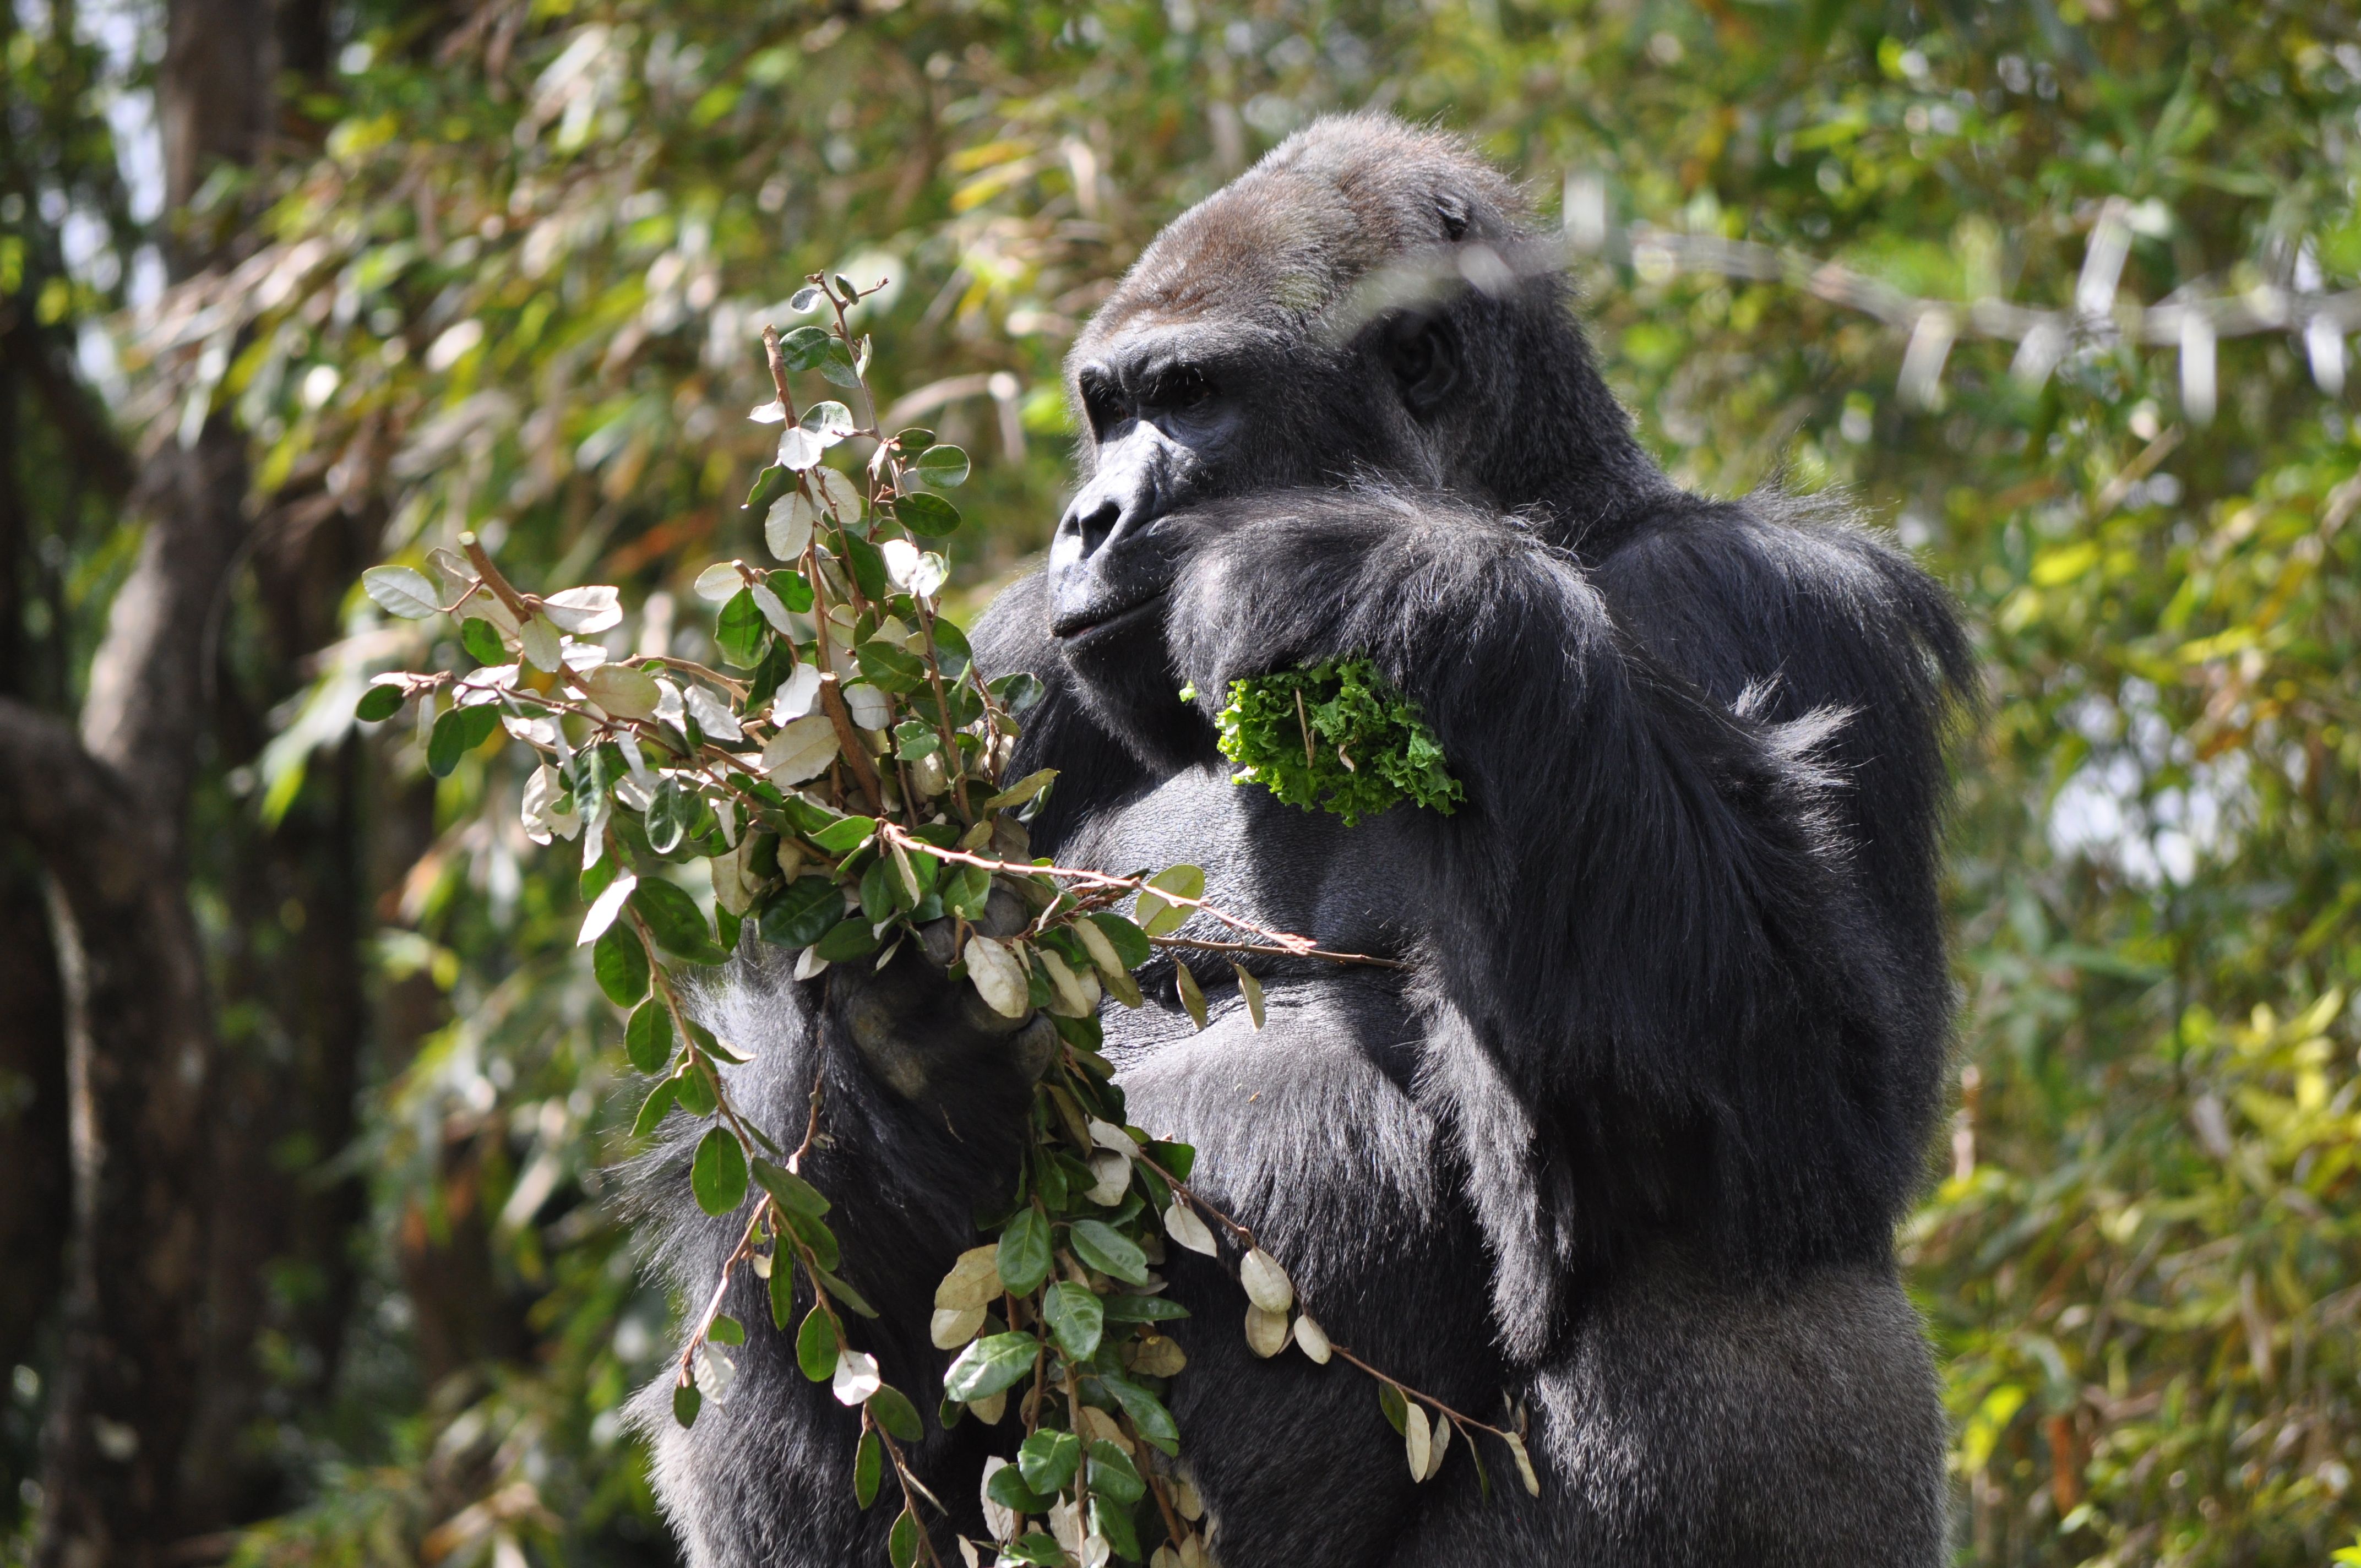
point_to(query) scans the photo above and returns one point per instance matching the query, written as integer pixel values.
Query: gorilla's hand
(923, 1034)
(1276, 581)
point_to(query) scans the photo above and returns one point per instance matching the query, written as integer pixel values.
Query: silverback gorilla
(1626, 1140)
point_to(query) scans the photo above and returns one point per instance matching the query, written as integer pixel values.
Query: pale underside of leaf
(801, 750)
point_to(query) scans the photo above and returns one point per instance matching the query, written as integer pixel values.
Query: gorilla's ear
(1422, 351)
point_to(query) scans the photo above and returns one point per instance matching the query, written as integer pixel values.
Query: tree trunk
(139, 1052)
(33, 1172)
(108, 818)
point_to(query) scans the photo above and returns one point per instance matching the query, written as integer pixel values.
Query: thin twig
(1196, 944)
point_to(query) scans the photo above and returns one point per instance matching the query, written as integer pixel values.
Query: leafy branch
(839, 784)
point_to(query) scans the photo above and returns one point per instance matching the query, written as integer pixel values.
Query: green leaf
(685, 1402)
(915, 739)
(1141, 1309)
(813, 1233)
(1035, 1548)
(929, 516)
(1159, 917)
(741, 632)
(710, 1046)
(648, 1036)
(457, 732)
(782, 1287)
(1112, 1521)
(815, 1345)
(1023, 789)
(1113, 1473)
(882, 894)
(1397, 1411)
(1017, 692)
(792, 1190)
(1023, 1256)
(800, 914)
(868, 1468)
(845, 1294)
(1105, 1249)
(1129, 942)
(793, 590)
(695, 1089)
(990, 1364)
(804, 348)
(1148, 1414)
(769, 486)
(1075, 1316)
(836, 365)
(1193, 996)
(676, 922)
(902, 1545)
(891, 668)
(619, 960)
(669, 813)
(847, 940)
(966, 891)
(1008, 1488)
(868, 564)
(654, 1109)
(942, 466)
(726, 1330)
(380, 703)
(482, 641)
(718, 1175)
(1048, 1461)
(844, 835)
(891, 1410)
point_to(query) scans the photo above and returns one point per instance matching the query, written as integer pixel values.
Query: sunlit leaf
(402, 591)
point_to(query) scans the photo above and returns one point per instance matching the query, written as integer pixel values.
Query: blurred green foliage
(519, 291)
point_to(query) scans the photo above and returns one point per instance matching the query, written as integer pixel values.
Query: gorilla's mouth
(1079, 624)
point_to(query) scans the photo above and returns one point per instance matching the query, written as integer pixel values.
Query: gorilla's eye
(1185, 388)
(1100, 403)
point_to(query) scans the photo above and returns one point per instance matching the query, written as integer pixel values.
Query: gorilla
(1622, 1143)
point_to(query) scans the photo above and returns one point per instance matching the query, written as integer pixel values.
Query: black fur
(1627, 1139)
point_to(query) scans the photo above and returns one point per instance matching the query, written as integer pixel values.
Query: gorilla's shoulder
(1776, 583)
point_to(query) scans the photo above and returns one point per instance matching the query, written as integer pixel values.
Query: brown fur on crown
(1345, 195)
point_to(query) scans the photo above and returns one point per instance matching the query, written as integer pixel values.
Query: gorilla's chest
(1310, 1125)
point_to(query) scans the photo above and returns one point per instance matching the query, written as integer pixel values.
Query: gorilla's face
(1187, 412)
(1169, 416)
(1224, 363)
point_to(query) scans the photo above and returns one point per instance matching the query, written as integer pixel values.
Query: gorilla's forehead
(1292, 235)
(1140, 344)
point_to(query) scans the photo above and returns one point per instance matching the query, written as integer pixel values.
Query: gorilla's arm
(1790, 597)
(920, 1114)
(1659, 1004)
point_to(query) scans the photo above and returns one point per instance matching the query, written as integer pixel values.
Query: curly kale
(1337, 735)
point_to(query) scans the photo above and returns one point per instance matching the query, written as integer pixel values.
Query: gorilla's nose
(1090, 518)
(1105, 558)
(1118, 499)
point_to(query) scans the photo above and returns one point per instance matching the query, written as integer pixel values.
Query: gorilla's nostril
(1093, 518)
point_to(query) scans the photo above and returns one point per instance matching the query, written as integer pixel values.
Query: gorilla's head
(1366, 302)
